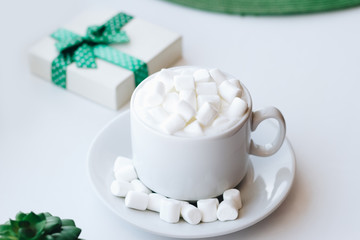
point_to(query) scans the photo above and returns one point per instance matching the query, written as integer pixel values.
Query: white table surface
(308, 66)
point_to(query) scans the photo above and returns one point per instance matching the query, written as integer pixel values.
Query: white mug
(193, 168)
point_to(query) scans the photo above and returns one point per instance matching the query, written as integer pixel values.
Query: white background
(308, 66)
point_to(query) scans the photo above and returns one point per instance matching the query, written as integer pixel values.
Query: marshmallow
(139, 186)
(201, 75)
(153, 100)
(120, 188)
(224, 105)
(155, 202)
(219, 121)
(159, 88)
(170, 102)
(137, 200)
(235, 82)
(190, 214)
(156, 96)
(173, 123)
(184, 82)
(206, 114)
(194, 129)
(208, 209)
(233, 195)
(185, 110)
(221, 124)
(166, 77)
(120, 162)
(126, 173)
(189, 96)
(227, 211)
(158, 114)
(228, 91)
(217, 75)
(170, 210)
(237, 108)
(206, 88)
(213, 99)
(182, 203)
(186, 72)
(173, 99)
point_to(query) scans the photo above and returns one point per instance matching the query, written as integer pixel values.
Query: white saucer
(263, 189)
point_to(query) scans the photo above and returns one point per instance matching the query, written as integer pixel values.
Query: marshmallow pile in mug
(191, 102)
(139, 197)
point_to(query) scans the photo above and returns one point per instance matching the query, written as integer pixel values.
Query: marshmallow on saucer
(170, 210)
(190, 214)
(120, 188)
(126, 173)
(227, 211)
(139, 186)
(121, 161)
(137, 200)
(233, 195)
(155, 202)
(208, 209)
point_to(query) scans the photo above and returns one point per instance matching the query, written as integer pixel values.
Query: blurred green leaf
(23, 224)
(47, 214)
(14, 226)
(53, 224)
(68, 222)
(33, 218)
(41, 226)
(4, 228)
(20, 216)
(26, 233)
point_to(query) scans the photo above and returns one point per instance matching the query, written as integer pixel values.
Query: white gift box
(109, 84)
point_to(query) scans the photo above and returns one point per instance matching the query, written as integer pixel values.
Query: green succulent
(41, 226)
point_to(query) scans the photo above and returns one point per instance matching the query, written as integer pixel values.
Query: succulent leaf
(14, 226)
(20, 216)
(53, 224)
(68, 222)
(4, 228)
(41, 226)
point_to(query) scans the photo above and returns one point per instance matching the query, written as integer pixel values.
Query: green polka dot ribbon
(83, 50)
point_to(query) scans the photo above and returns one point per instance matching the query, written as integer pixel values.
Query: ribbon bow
(84, 49)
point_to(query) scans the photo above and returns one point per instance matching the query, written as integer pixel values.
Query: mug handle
(270, 148)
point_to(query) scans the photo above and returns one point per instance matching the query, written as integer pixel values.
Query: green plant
(41, 226)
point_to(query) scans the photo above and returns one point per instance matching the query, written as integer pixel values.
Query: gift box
(103, 55)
